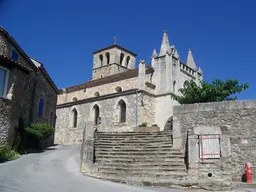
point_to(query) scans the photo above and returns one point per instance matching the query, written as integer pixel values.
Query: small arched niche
(122, 111)
(74, 118)
(96, 111)
(96, 94)
(174, 87)
(128, 62)
(101, 60)
(118, 89)
(121, 58)
(108, 57)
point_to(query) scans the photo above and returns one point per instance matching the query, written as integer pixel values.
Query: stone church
(119, 96)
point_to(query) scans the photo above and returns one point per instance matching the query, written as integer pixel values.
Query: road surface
(56, 170)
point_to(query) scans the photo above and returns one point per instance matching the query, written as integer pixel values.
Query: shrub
(154, 125)
(40, 130)
(8, 154)
(144, 124)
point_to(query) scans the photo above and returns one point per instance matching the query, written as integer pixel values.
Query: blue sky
(63, 34)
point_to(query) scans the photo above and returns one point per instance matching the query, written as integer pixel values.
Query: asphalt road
(56, 170)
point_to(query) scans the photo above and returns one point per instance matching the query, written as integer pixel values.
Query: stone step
(144, 153)
(148, 170)
(133, 142)
(139, 161)
(142, 164)
(143, 181)
(136, 174)
(97, 143)
(135, 139)
(133, 133)
(132, 136)
(137, 146)
(137, 149)
(141, 157)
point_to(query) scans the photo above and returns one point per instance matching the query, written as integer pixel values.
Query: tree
(215, 91)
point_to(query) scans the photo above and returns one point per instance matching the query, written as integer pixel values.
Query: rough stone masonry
(234, 122)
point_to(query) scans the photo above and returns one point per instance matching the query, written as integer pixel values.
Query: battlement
(188, 70)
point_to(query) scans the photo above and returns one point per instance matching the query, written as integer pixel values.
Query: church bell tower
(112, 60)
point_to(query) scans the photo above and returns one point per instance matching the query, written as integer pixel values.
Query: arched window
(101, 60)
(118, 89)
(74, 99)
(108, 57)
(96, 110)
(122, 108)
(127, 61)
(74, 118)
(41, 107)
(174, 87)
(97, 94)
(121, 58)
(186, 83)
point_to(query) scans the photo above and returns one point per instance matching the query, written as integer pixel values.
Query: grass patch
(8, 154)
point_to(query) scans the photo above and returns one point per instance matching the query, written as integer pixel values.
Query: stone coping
(215, 106)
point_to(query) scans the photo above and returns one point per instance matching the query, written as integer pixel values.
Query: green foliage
(40, 130)
(215, 91)
(8, 154)
(143, 124)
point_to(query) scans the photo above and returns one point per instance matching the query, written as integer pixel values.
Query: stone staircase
(139, 158)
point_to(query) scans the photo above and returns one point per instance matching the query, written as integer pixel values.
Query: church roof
(105, 80)
(115, 46)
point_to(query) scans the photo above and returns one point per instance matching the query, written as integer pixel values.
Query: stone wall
(27, 87)
(5, 109)
(148, 109)
(109, 113)
(102, 89)
(44, 90)
(234, 121)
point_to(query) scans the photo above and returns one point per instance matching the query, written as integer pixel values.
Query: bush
(8, 154)
(40, 130)
(154, 125)
(144, 124)
(35, 133)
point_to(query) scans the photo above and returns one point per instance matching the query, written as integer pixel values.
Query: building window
(174, 87)
(14, 55)
(101, 60)
(118, 89)
(3, 81)
(121, 58)
(108, 57)
(127, 61)
(209, 146)
(186, 84)
(122, 107)
(74, 118)
(96, 110)
(97, 94)
(74, 99)
(41, 107)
